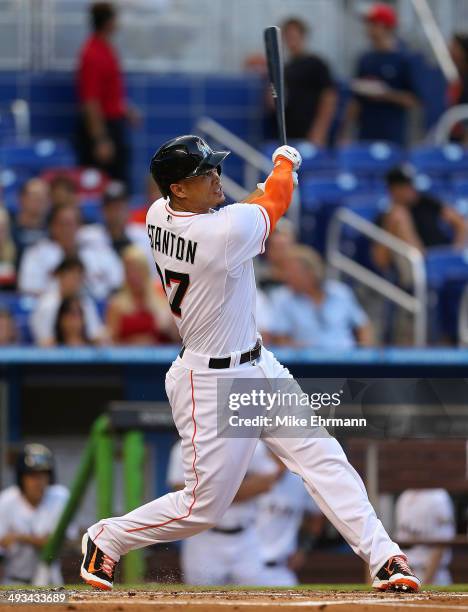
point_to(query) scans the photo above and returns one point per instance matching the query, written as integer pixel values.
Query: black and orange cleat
(97, 568)
(396, 575)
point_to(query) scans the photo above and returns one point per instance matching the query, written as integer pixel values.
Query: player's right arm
(279, 186)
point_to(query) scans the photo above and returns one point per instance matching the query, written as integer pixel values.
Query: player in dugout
(29, 512)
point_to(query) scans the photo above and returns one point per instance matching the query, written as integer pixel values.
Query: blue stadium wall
(171, 105)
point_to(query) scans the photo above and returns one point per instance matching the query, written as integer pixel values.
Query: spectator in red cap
(383, 88)
(102, 139)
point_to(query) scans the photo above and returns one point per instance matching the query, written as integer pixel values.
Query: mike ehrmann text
(289, 420)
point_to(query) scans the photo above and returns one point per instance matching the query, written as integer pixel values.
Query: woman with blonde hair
(138, 313)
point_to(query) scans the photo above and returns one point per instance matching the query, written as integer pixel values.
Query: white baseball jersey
(205, 265)
(17, 515)
(426, 514)
(279, 517)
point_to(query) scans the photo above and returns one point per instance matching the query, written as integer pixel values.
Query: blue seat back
(369, 158)
(440, 161)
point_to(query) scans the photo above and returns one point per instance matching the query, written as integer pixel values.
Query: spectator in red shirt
(102, 139)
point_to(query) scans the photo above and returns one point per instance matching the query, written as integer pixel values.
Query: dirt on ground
(248, 601)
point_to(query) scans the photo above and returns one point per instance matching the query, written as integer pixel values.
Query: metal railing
(21, 112)
(440, 133)
(436, 40)
(416, 302)
(256, 164)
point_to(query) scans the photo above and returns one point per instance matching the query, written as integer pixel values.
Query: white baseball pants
(214, 468)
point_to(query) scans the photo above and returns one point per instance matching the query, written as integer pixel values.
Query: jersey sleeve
(248, 228)
(175, 470)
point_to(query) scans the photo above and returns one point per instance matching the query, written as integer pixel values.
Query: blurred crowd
(90, 284)
(95, 284)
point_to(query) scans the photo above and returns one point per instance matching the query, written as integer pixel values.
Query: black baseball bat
(274, 56)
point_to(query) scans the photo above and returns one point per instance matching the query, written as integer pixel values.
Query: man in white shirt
(427, 514)
(29, 513)
(311, 311)
(70, 280)
(102, 265)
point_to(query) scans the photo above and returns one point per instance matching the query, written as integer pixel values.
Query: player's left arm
(435, 559)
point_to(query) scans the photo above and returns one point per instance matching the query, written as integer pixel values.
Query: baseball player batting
(204, 259)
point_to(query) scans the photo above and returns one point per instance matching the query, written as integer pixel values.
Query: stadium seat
(370, 159)
(445, 263)
(368, 205)
(460, 187)
(10, 183)
(429, 184)
(38, 155)
(440, 161)
(7, 125)
(461, 206)
(21, 307)
(91, 184)
(354, 243)
(334, 189)
(448, 307)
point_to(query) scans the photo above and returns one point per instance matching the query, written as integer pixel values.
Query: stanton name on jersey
(169, 244)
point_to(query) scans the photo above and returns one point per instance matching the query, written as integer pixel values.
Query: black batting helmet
(181, 158)
(35, 458)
